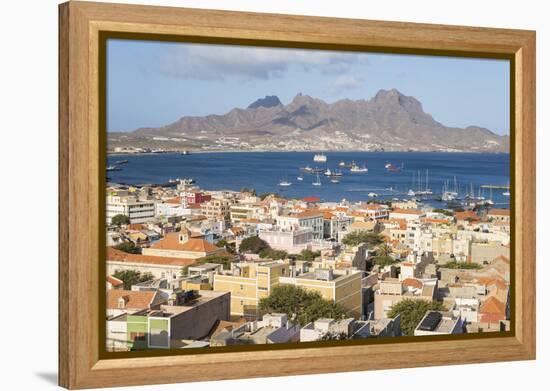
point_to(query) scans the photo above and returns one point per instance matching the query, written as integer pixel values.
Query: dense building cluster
(190, 268)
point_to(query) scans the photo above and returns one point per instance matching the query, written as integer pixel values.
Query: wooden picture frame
(81, 363)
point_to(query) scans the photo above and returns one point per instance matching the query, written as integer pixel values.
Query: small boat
(342, 164)
(185, 152)
(411, 193)
(391, 168)
(120, 162)
(307, 169)
(320, 158)
(337, 173)
(317, 182)
(113, 168)
(300, 178)
(507, 192)
(356, 168)
(334, 180)
(372, 195)
(285, 183)
(328, 172)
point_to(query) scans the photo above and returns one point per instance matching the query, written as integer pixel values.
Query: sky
(151, 84)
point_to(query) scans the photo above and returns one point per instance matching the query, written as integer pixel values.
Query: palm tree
(384, 250)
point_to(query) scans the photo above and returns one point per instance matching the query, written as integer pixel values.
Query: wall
(29, 31)
(198, 321)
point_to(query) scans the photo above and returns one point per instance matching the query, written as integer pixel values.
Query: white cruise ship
(320, 157)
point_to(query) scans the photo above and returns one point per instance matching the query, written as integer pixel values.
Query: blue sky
(150, 84)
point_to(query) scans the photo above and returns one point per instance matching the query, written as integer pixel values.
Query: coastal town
(188, 267)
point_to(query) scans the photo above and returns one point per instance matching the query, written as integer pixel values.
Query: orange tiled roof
(493, 306)
(134, 300)
(175, 200)
(413, 282)
(120, 256)
(327, 214)
(135, 227)
(489, 281)
(499, 212)
(171, 242)
(434, 221)
(114, 281)
(309, 213)
(467, 215)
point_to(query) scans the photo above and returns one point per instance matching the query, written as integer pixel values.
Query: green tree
(444, 212)
(273, 254)
(128, 247)
(299, 304)
(253, 245)
(230, 247)
(370, 238)
(461, 265)
(383, 260)
(384, 250)
(412, 311)
(307, 255)
(320, 308)
(119, 220)
(334, 337)
(263, 196)
(132, 277)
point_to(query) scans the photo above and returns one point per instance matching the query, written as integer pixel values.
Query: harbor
(332, 176)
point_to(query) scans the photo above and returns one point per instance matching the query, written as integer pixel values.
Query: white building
(307, 219)
(139, 211)
(291, 240)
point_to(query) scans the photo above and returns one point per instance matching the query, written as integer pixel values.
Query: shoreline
(190, 152)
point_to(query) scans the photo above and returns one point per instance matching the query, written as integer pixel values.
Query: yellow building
(249, 282)
(341, 286)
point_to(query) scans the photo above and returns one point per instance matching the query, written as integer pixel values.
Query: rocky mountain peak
(268, 101)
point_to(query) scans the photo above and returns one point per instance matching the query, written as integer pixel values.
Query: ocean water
(264, 170)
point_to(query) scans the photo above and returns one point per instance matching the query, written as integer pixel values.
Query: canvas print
(261, 195)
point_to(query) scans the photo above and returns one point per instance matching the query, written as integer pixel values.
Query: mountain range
(389, 121)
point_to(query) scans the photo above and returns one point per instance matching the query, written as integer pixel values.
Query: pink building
(197, 197)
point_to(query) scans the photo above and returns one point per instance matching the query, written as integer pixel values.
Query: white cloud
(216, 62)
(344, 83)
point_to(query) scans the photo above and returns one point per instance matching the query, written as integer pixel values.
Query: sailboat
(450, 195)
(317, 182)
(411, 192)
(426, 190)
